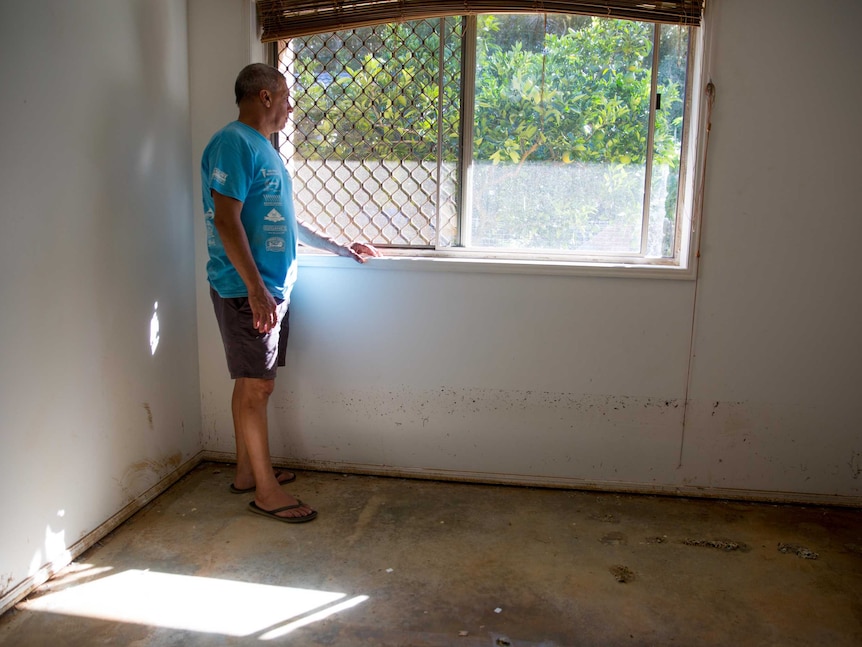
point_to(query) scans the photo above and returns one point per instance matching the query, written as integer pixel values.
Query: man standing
(252, 235)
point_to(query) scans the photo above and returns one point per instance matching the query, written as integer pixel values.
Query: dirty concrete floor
(396, 562)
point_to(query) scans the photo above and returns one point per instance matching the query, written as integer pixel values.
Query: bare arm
(356, 251)
(229, 226)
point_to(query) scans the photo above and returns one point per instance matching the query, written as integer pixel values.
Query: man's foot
(278, 512)
(281, 476)
(282, 507)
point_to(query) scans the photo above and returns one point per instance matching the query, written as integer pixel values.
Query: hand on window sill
(360, 251)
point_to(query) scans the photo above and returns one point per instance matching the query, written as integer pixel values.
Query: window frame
(683, 263)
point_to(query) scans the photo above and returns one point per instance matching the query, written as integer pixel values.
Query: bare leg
(244, 479)
(249, 402)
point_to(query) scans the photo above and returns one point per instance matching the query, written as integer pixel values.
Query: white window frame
(465, 259)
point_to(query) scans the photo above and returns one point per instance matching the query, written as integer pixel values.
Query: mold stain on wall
(149, 411)
(419, 409)
(143, 474)
(549, 434)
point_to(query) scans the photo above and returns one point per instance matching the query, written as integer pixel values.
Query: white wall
(96, 228)
(774, 394)
(583, 380)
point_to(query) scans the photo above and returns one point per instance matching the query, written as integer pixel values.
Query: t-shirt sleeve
(231, 161)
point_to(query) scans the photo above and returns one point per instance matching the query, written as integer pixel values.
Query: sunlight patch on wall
(55, 545)
(154, 329)
(191, 603)
(55, 555)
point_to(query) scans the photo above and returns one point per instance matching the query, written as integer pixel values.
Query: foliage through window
(522, 135)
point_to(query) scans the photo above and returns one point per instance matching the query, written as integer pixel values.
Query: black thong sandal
(273, 514)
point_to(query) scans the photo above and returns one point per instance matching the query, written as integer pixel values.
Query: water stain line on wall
(149, 411)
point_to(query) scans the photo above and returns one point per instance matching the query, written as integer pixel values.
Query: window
(523, 136)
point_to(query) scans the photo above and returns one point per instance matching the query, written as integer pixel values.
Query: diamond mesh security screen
(373, 140)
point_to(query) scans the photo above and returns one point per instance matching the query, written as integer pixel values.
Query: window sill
(397, 260)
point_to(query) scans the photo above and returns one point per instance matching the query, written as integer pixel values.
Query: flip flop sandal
(273, 514)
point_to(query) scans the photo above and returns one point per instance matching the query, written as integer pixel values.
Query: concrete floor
(420, 563)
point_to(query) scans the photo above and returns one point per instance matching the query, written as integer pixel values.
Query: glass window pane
(673, 65)
(561, 131)
(558, 152)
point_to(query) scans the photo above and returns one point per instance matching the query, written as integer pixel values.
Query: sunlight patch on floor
(314, 617)
(194, 603)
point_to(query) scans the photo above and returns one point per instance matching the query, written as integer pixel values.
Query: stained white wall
(96, 228)
(774, 393)
(404, 367)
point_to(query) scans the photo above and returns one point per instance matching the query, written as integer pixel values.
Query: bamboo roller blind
(283, 19)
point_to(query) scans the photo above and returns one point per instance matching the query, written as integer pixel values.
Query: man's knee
(255, 390)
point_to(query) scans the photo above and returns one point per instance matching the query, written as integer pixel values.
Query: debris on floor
(614, 539)
(623, 574)
(799, 551)
(720, 544)
(604, 518)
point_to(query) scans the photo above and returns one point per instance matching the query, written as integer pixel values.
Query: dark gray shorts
(249, 352)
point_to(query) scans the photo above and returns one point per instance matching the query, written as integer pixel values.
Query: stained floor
(397, 562)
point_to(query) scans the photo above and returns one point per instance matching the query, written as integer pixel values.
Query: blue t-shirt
(239, 162)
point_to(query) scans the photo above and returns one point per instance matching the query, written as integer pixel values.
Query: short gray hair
(256, 77)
